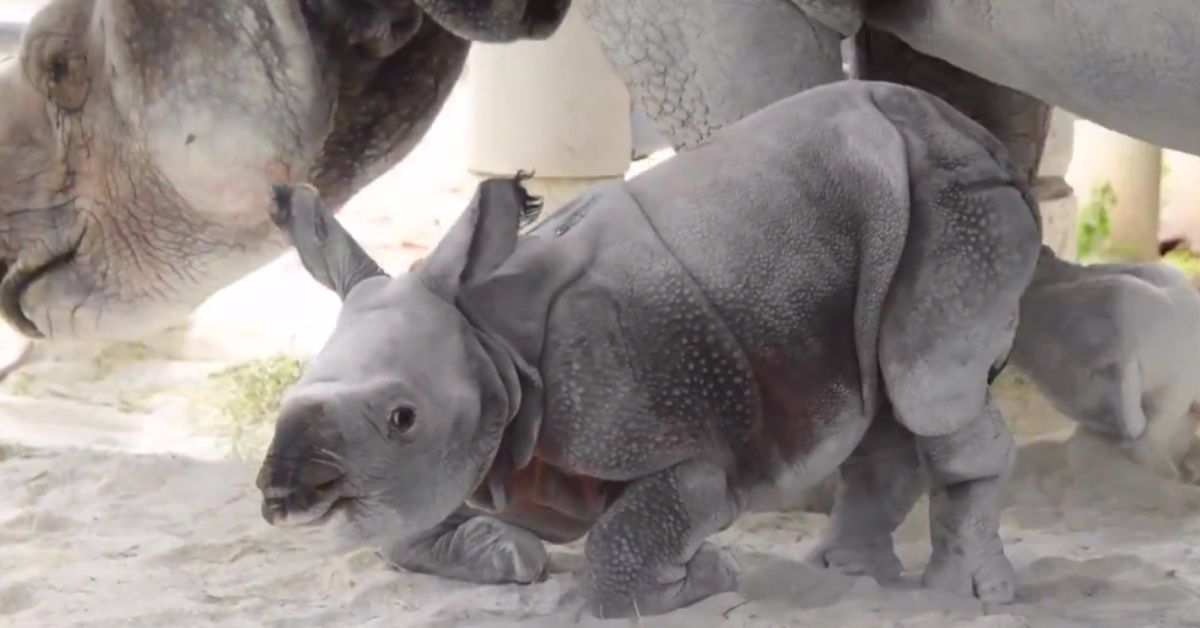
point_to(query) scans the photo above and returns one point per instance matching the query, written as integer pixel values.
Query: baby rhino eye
(400, 421)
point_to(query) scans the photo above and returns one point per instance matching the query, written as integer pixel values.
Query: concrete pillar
(1057, 202)
(1134, 169)
(555, 107)
(1181, 197)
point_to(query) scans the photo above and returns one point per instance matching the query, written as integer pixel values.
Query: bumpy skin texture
(1127, 369)
(831, 278)
(876, 489)
(698, 65)
(1130, 66)
(137, 138)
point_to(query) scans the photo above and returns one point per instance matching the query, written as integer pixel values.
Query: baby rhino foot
(1189, 467)
(480, 549)
(710, 572)
(988, 577)
(875, 559)
(502, 552)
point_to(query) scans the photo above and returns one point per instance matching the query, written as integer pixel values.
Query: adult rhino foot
(989, 577)
(875, 559)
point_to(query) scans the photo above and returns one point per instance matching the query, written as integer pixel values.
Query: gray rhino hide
(1117, 348)
(831, 278)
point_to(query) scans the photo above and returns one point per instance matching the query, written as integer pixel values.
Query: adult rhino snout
(498, 21)
(302, 478)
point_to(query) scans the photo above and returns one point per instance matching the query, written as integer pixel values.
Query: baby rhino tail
(970, 251)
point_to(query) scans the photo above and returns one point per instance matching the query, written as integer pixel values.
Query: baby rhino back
(738, 289)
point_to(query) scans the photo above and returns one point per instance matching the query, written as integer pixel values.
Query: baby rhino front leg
(647, 555)
(473, 547)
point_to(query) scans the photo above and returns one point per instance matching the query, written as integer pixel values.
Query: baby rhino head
(399, 416)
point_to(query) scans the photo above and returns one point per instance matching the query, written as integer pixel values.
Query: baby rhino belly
(556, 506)
(812, 423)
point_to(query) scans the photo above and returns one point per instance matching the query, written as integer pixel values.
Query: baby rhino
(828, 282)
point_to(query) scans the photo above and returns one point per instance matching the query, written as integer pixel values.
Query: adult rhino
(698, 65)
(137, 138)
(136, 135)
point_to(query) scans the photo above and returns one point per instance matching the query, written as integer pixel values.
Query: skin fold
(137, 137)
(793, 296)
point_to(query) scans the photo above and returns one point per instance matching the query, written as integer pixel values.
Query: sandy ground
(123, 507)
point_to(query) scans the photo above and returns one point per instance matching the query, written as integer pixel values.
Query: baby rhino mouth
(296, 504)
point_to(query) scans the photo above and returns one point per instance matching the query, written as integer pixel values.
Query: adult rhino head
(138, 139)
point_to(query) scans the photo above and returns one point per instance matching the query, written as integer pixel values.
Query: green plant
(250, 394)
(19, 384)
(1185, 261)
(1094, 228)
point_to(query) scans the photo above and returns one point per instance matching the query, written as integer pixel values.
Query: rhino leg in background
(1021, 122)
(473, 547)
(698, 65)
(647, 555)
(877, 487)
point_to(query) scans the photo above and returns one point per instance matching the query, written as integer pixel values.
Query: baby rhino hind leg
(948, 321)
(877, 487)
(936, 354)
(968, 469)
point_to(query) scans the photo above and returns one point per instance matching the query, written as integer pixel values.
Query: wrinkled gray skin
(1117, 348)
(130, 188)
(827, 282)
(137, 137)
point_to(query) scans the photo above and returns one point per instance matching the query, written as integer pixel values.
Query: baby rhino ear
(327, 251)
(483, 236)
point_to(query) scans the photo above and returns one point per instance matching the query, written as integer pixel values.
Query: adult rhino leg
(1021, 122)
(698, 65)
(877, 487)
(473, 547)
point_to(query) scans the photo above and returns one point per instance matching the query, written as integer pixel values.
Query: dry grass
(248, 397)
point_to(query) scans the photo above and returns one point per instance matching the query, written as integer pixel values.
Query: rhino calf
(827, 282)
(1116, 347)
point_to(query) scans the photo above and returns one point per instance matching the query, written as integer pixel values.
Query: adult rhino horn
(329, 253)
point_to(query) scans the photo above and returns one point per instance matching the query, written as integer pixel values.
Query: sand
(123, 505)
